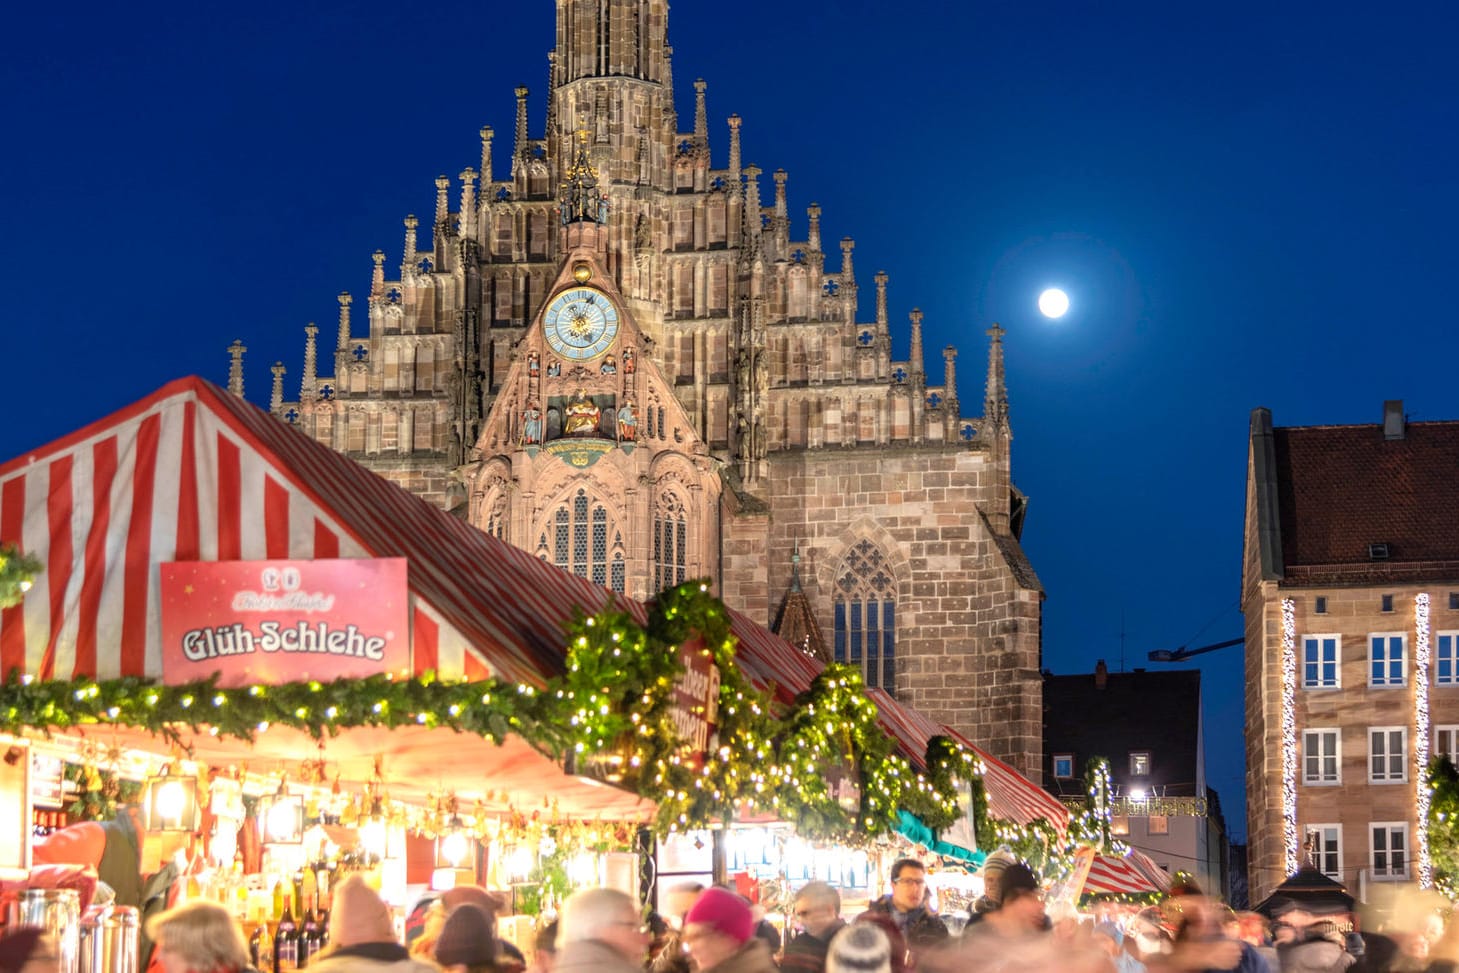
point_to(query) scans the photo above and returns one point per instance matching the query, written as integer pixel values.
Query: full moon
(1053, 302)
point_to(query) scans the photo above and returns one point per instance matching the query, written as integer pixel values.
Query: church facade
(615, 354)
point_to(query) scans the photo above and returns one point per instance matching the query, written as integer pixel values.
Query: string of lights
(1422, 788)
(1289, 734)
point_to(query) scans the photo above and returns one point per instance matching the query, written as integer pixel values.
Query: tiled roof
(1342, 488)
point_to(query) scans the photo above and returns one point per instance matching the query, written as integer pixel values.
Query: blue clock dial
(580, 323)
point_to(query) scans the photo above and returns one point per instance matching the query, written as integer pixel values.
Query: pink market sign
(272, 622)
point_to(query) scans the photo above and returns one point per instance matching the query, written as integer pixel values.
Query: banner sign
(284, 621)
(695, 709)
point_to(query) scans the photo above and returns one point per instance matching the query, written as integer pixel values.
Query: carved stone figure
(627, 423)
(581, 416)
(531, 424)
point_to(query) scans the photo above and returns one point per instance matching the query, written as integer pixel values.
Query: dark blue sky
(1249, 205)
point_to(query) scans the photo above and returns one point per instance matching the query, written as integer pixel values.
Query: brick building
(607, 349)
(1350, 587)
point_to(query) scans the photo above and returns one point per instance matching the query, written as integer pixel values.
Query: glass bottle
(286, 943)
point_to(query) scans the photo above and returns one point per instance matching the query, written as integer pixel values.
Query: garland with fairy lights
(613, 709)
(16, 574)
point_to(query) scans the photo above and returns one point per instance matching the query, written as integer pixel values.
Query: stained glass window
(670, 542)
(581, 529)
(865, 615)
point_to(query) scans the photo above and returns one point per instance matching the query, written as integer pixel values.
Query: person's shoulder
(881, 906)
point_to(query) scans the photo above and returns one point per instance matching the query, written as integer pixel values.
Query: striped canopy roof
(1133, 874)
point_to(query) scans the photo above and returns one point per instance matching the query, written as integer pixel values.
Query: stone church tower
(616, 355)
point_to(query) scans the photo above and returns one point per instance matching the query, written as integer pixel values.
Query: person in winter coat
(817, 909)
(599, 931)
(1320, 948)
(906, 905)
(859, 948)
(719, 935)
(361, 935)
(468, 942)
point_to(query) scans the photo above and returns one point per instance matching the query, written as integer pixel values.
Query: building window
(1140, 763)
(1321, 605)
(1386, 659)
(581, 532)
(1324, 844)
(1446, 659)
(671, 529)
(1159, 824)
(1389, 850)
(1321, 757)
(1388, 603)
(1387, 749)
(1446, 743)
(1320, 657)
(1063, 765)
(1454, 601)
(865, 615)
(1119, 824)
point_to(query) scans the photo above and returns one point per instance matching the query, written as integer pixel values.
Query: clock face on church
(581, 323)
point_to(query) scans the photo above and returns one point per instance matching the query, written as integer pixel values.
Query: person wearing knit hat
(362, 935)
(719, 935)
(1020, 915)
(468, 941)
(859, 948)
(992, 875)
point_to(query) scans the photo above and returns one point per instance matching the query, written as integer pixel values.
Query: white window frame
(1323, 832)
(1385, 682)
(1389, 828)
(1446, 643)
(1446, 742)
(1335, 733)
(1069, 757)
(1385, 733)
(1135, 756)
(1309, 641)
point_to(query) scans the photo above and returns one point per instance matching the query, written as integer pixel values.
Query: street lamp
(1183, 653)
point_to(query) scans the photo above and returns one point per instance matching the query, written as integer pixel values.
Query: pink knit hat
(725, 911)
(359, 916)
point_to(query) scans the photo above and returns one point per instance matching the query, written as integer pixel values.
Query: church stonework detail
(605, 349)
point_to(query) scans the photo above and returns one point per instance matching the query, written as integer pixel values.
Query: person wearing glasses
(817, 911)
(907, 906)
(600, 931)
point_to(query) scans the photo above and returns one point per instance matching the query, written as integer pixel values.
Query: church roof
(1341, 490)
(796, 621)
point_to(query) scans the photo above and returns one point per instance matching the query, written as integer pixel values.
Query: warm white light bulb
(455, 848)
(170, 802)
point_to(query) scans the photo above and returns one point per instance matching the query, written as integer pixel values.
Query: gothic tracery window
(865, 608)
(581, 538)
(670, 543)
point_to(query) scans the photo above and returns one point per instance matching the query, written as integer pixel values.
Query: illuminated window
(1387, 750)
(1389, 850)
(1321, 757)
(1320, 658)
(865, 615)
(1159, 824)
(1140, 763)
(580, 530)
(1063, 765)
(1119, 824)
(1386, 659)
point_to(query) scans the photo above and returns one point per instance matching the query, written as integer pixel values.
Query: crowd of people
(1011, 929)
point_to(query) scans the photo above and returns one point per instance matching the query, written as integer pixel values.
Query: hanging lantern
(282, 816)
(456, 846)
(170, 802)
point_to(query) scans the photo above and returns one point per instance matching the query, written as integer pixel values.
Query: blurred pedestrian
(906, 904)
(859, 948)
(198, 937)
(719, 935)
(816, 908)
(600, 931)
(362, 935)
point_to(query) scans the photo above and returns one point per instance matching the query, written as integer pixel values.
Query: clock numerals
(581, 324)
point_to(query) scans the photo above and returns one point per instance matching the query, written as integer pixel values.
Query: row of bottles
(44, 822)
(290, 944)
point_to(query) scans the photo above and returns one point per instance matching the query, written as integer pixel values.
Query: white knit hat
(859, 948)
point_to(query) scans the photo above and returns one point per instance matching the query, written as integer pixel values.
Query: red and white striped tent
(1011, 796)
(1133, 874)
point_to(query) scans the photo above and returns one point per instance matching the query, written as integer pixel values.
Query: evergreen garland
(16, 574)
(613, 705)
(1443, 823)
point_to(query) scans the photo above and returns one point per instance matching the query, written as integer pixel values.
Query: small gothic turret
(311, 363)
(752, 201)
(734, 153)
(916, 361)
(949, 381)
(995, 397)
(407, 261)
(520, 150)
(443, 209)
(235, 368)
(701, 115)
(468, 203)
(486, 135)
(276, 396)
(580, 200)
(881, 301)
(377, 276)
(342, 342)
(813, 233)
(848, 270)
